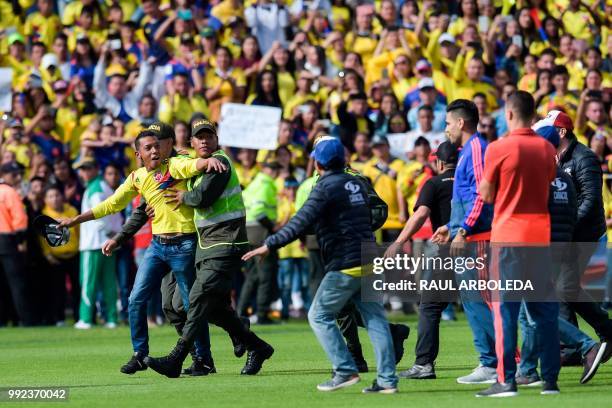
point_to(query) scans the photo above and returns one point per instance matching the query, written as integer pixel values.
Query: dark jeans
(428, 341)
(210, 300)
(12, 266)
(575, 299)
(260, 280)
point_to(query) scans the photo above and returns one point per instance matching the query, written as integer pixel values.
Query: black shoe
(607, 354)
(135, 364)
(419, 372)
(377, 389)
(240, 348)
(499, 390)
(399, 334)
(200, 366)
(591, 361)
(256, 358)
(170, 365)
(549, 388)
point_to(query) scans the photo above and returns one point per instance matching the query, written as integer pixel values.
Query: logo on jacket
(355, 197)
(165, 180)
(560, 195)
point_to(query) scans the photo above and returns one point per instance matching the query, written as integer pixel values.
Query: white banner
(6, 96)
(397, 141)
(251, 127)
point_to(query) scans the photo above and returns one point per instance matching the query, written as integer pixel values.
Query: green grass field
(88, 363)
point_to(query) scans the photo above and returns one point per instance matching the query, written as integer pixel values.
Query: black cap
(47, 227)
(202, 125)
(11, 167)
(162, 130)
(448, 153)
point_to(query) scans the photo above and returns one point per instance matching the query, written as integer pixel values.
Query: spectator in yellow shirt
(363, 153)
(246, 167)
(561, 97)
(224, 83)
(473, 84)
(43, 25)
(63, 260)
(182, 100)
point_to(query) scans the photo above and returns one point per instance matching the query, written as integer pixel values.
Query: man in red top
(517, 173)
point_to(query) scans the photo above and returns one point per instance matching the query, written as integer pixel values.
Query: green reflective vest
(260, 198)
(229, 205)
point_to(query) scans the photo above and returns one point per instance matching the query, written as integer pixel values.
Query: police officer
(219, 216)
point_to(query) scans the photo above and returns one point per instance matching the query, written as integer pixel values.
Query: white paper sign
(397, 141)
(434, 138)
(6, 96)
(247, 126)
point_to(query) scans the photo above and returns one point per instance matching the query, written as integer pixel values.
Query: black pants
(317, 270)
(66, 267)
(172, 304)
(260, 280)
(428, 341)
(575, 299)
(12, 266)
(210, 300)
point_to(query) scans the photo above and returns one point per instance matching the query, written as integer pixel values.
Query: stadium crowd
(83, 79)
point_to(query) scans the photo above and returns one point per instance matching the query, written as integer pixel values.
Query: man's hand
(150, 211)
(457, 247)
(109, 246)
(67, 223)
(174, 196)
(214, 165)
(441, 236)
(261, 251)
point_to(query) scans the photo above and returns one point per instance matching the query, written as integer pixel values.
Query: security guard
(260, 201)
(219, 215)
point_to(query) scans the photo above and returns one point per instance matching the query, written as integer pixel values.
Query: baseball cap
(425, 83)
(11, 167)
(379, 140)
(446, 37)
(202, 125)
(15, 123)
(48, 60)
(162, 130)
(328, 150)
(85, 161)
(548, 132)
(47, 227)
(208, 32)
(447, 152)
(423, 65)
(13, 38)
(557, 119)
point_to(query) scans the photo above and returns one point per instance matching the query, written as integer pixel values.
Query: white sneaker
(81, 325)
(480, 375)
(111, 325)
(60, 323)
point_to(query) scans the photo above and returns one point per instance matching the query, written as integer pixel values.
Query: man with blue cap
(338, 209)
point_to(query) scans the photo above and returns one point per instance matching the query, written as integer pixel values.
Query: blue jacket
(468, 211)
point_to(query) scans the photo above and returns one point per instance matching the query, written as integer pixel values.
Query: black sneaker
(499, 390)
(240, 348)
(256, 358)
(607, 354)
(135, 364)
(377, 389)
(399, 334)
(550, 388)
(419, 372)
(170, 365)
(200, 366)
(591, 361)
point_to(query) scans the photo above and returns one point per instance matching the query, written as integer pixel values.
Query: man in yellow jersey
(220, 219)
(338, 208)
(174, 238)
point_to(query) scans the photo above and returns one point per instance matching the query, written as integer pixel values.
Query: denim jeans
(568, 334)
(158, 261)
(335, 290)
(293, 277)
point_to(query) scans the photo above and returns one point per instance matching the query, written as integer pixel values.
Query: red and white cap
(557, 119)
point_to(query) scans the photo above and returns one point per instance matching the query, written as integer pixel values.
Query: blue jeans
(568, 334)
(158, 261)
(335, 291)
(293, 277)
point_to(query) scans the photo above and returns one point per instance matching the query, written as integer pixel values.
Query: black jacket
(562, 206)
(583, 167)
(338, 209)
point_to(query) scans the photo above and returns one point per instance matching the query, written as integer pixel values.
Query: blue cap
(328, 150)
(549, 133)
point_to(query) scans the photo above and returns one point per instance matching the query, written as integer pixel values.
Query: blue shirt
(439, 122)
(468, 210)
